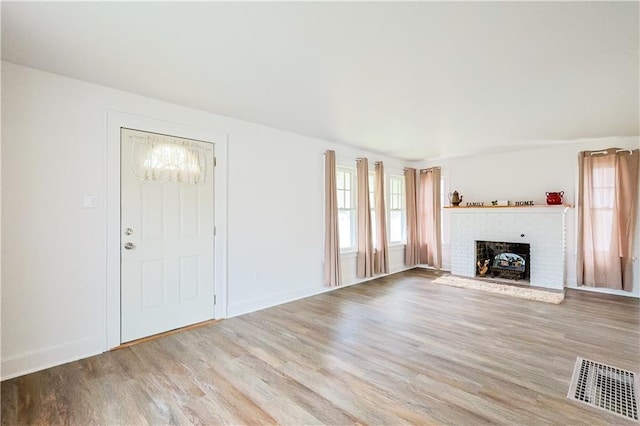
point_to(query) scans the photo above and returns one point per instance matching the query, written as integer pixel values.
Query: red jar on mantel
(555, 198)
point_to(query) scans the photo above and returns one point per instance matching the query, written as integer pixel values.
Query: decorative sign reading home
(523, 203)
(475, 204)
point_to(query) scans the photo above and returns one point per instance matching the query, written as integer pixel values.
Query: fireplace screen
(502, 260)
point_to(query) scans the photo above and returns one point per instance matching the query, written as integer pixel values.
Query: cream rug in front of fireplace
(506, 289)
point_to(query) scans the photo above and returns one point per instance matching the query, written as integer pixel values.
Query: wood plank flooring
(397, 350)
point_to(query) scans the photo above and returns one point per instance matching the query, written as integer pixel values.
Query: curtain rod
(430, 169)
(617, 151)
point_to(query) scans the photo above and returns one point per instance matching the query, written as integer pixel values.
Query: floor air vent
(605, 387)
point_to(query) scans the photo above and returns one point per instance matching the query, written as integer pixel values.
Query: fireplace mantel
(515, 209)
(543, 227)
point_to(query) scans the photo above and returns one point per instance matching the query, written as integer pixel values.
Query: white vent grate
(605, 387)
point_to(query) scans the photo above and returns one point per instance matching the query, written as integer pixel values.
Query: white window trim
(354, 236)
(398, 244)
(350, 252)
(372, 206)
(388, 177)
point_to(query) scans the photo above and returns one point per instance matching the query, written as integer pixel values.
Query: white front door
(167, 247)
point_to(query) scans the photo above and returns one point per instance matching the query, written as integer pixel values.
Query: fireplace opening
(496, 259)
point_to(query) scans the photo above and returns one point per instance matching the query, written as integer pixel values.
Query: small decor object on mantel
(555, 198)
(455, 198)
(500, 203)
(523, 203)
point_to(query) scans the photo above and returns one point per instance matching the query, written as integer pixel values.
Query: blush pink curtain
(332, 273)
(428, 207)
(364, 268)
(381, 261)
(411, 254)
(607, 211)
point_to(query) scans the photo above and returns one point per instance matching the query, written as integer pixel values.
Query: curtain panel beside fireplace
(429, 211)
(607, 211)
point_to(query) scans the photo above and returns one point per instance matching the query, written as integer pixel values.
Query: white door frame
(114, 122)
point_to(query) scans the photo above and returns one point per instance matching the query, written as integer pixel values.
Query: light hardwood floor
(392, 351)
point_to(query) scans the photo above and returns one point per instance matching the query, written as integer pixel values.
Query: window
(397, 210)
(347, 213)
(166, 159)
(345, 186)
(171, 157)
(372, 205)
(603, 198)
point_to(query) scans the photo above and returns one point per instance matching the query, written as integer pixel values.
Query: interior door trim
(114, 121)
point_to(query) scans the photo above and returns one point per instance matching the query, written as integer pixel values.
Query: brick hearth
(541, 227)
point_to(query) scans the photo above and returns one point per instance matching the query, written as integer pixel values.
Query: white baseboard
(258, 304)
(21, 364)
(605, 290)
(247, 306)
(558, 286)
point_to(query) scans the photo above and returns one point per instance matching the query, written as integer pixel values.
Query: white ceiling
(411, 80)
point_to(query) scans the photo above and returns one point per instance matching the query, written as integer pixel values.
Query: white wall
(54, 153)
(0, 213)
(527, 175)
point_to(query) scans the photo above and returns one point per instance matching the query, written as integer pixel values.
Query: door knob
(129, 246)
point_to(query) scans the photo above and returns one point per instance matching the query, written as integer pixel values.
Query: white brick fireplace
(543, 227)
